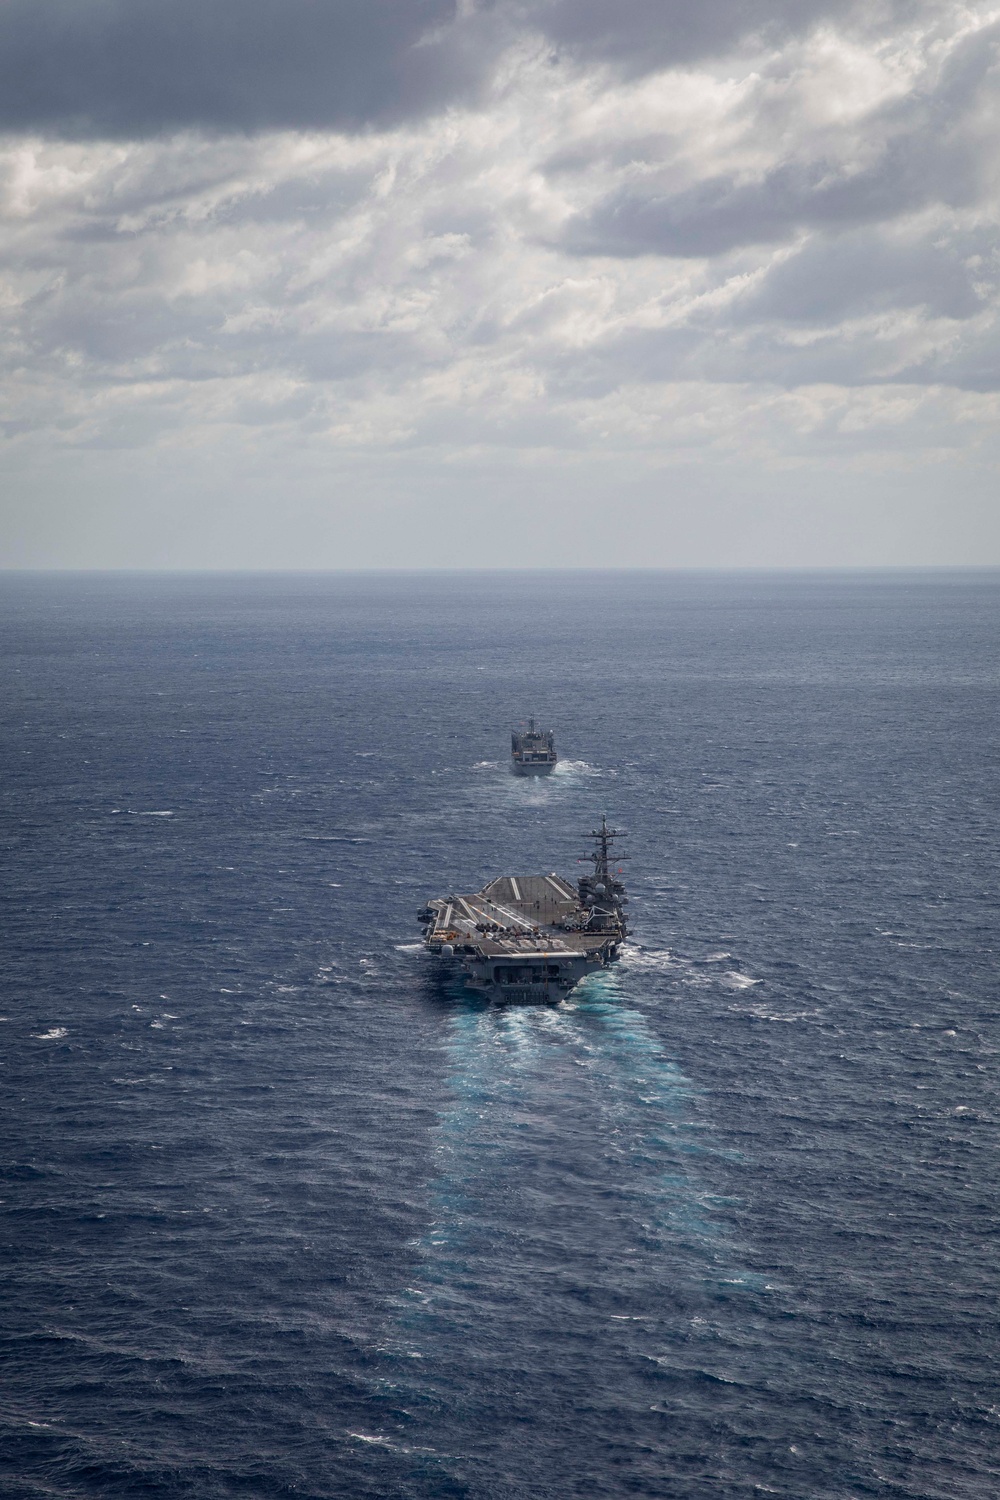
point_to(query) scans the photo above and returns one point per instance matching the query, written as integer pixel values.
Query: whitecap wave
(51, 1035)
(634, 957)
(648, 961)
(766, 1013)
(578, 768)
(333, 838)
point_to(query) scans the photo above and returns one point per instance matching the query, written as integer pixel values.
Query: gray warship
(532, 938)
(532, 751)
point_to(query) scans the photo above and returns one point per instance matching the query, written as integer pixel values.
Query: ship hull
(541, 982)
(533, 770)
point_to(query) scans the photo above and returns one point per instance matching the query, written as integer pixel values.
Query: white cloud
(781, 259)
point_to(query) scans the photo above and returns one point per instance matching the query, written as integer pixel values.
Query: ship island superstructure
(532, 751)
(532, 938)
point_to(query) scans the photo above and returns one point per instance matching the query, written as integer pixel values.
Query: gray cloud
(866, 272)
(786, 257)
(131, 68)
(721, 214)
(643, 35)
(903, 156)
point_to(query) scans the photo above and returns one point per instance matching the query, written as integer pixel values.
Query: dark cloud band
(123, 68)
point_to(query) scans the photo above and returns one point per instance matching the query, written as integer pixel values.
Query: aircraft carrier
(532, 938)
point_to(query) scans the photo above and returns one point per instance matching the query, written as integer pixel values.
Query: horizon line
(415, 571)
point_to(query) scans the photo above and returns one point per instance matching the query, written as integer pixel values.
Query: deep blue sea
(285, 1214)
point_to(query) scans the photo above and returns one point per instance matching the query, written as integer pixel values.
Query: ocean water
(285, 1213)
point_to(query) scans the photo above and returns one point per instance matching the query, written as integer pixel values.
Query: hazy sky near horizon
(339, 283)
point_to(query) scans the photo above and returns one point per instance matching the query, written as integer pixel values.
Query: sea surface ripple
(287, 1212)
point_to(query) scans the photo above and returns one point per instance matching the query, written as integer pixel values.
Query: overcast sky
(340, 283)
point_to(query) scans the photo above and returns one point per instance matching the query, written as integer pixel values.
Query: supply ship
(532, 751)
(532, 938)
